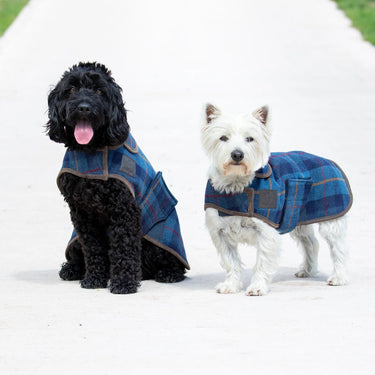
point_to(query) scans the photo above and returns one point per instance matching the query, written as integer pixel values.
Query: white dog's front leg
(227, 249)
(268, 244)
(231, 262)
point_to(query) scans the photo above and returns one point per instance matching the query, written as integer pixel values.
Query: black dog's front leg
(125, 248)
(94, 248)
(74, 268)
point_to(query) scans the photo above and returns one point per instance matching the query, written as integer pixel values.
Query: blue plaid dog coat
(129, 165)
(295, 188)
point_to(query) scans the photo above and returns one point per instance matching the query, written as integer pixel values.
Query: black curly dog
(105, 215)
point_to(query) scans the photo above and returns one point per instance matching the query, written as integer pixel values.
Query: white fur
(229, 231)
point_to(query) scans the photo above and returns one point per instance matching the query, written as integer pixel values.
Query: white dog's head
(237, 145)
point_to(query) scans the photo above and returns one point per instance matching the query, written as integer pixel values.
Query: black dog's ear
(55, 128)
(118, 128)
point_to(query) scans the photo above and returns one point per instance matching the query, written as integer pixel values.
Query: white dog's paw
(303, 274)
(227, 287)
(337, 280)
(257, 289)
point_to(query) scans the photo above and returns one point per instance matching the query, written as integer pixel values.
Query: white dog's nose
(237, 155)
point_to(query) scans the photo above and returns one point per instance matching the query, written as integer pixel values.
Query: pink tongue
(83, 132)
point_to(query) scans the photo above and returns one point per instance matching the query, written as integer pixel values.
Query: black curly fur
(104, 213)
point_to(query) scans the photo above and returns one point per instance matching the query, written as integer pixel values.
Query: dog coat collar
(295, 188)
(128, 164)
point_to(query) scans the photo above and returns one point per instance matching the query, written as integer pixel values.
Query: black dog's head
(86, 110)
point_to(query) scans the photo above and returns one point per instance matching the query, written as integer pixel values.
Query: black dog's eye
(249, 139)
(98, 91)
(73, 90)
(224, 138)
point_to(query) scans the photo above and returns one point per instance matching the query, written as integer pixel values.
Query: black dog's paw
(169, 276)
(94, 282)
(70, 271)
(124, 287)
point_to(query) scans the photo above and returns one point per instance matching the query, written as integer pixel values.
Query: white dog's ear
(261, 114)
(211, 112)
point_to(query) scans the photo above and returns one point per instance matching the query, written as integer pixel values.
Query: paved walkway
(299, 56)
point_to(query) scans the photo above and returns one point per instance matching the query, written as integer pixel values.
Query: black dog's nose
(84, 108)
(237, 155)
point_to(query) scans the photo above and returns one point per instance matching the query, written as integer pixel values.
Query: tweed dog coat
(295, 188)
(129, 165)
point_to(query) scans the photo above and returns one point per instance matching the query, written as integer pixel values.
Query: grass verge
(362, 15)
(9, 10)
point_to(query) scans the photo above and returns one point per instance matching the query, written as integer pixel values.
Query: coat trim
(105, 175)
(148, 238)
(264, 172)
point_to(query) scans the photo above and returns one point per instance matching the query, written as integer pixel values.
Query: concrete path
(317, 75)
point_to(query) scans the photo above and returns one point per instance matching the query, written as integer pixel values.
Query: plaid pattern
(302, 189)
(127, 163)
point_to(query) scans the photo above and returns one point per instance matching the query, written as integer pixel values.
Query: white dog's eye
(249, 139)
(224, 138)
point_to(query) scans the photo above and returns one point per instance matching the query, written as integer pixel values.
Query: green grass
(362, 15)
(9, 10)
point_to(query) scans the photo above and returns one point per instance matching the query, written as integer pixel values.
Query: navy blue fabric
(128, 164)
(295, 188)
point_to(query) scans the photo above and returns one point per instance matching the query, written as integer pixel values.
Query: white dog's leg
(268, 245)
(231, 262)
(334, 232)
(226, 246)
(304, 236)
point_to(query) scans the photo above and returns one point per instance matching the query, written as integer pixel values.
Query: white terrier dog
(252, 196)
